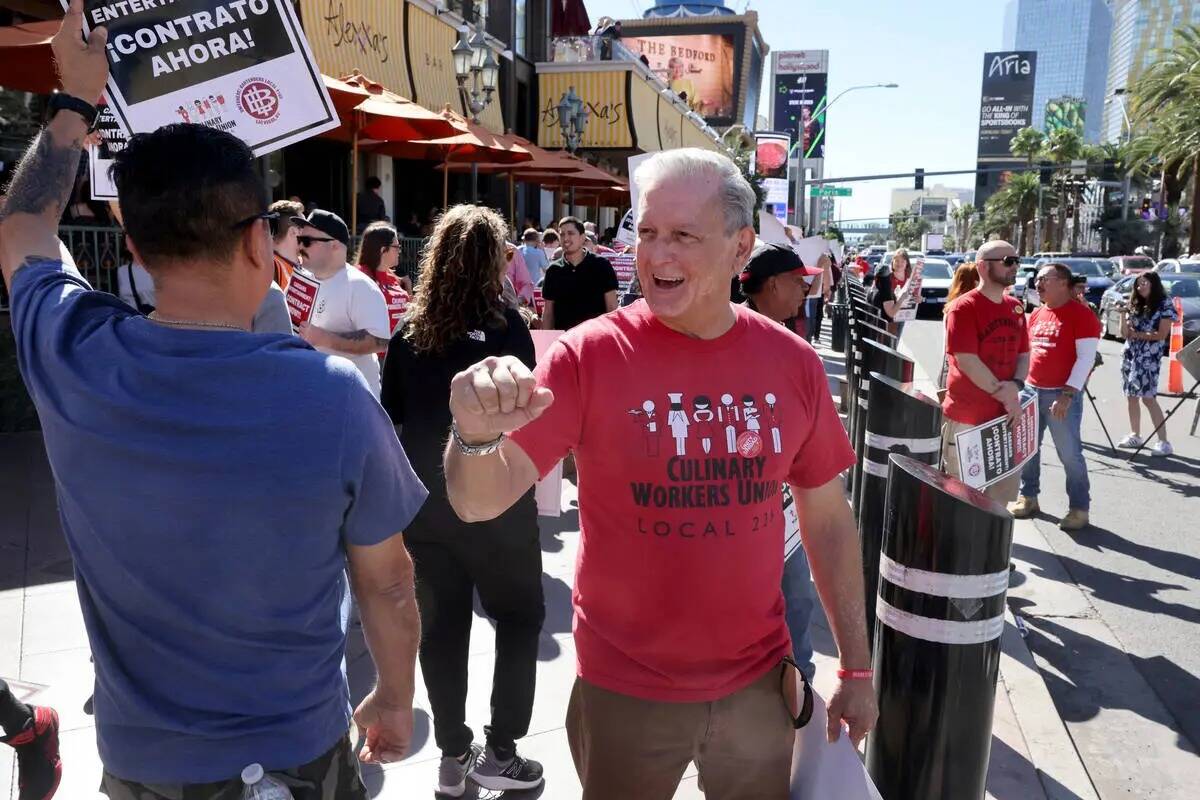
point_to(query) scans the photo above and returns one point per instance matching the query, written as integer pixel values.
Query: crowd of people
(220, 545)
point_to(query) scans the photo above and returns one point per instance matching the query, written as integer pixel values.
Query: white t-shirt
(141, 281)
(350, 301)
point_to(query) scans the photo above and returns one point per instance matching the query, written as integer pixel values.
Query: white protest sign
(811, 249)
(241, 66)
(909, 311)
(100, 155)
(634, 163)
(996, 449)
(627, 230)
(771, 230)
(836, 249)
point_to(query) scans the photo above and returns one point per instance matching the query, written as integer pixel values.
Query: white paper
(627, 230)
(771, 230)
(548, 493)
(824, 771)
(836, 249)
(255, 78)
(634, 163)
(811, 249)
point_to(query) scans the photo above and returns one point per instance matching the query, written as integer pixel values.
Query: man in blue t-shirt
(211, 533)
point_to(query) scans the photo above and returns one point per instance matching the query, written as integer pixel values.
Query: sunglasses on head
(1008, 261)
(307, 241)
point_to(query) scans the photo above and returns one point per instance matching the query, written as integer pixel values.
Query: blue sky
(932, 48)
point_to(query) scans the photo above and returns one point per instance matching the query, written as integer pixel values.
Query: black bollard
(854, 376)
(839, 323)
(940, 612)
(899, 420)
(886, 361)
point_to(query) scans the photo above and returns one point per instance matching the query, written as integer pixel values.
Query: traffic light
(919, 179)
(1045, 172)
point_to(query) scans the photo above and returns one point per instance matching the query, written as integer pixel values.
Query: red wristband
(855, 674)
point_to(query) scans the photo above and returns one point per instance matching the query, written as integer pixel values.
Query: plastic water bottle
(261, 786)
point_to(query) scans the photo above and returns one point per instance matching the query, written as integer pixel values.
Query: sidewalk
(42, 641)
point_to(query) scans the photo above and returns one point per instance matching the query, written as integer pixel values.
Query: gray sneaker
(516, 773)
(452, 772)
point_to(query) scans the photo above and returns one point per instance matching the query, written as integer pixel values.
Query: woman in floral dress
(1146, 328)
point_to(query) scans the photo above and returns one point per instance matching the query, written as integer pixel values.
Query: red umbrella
(26, 63)
(569, 18)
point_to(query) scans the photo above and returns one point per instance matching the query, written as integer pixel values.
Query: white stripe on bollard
(881, 442)
(875, 468)
(941, 631)
(942, 584)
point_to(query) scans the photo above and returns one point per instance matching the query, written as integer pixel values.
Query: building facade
(1071, 38)
(933, 203)
(1140, 29)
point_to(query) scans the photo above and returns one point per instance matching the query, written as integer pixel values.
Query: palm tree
(1165, 99)
(1027, 144)
(1063, 146)
(962, 217)
(1015, 204)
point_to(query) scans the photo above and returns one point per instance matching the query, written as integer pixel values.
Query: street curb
(1051, 748)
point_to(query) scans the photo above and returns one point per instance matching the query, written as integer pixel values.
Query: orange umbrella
(26, 63)
(474, 144)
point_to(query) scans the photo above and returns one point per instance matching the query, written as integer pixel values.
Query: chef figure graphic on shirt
(773, 422)
(677, 421)
(649, 426)
(728, 415)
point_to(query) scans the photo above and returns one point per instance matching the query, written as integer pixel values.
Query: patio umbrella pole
(512, 204)
(445, 182)
(474, 182)
(354, 178)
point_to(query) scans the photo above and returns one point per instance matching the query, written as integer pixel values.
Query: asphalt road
(1139, 563)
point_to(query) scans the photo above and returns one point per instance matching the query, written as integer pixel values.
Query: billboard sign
(1065, 112)
(1006, 99)
(771, 164)
(698, 67)
(799, 93)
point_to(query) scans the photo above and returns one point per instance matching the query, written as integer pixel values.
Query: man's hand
(495, 396)
(1009, 398)
(853, 702)
(385, 727)
(82, 66)
(1059, 408)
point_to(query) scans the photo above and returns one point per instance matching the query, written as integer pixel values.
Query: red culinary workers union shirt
(995, 332)
(682, 447)
(1052, 336)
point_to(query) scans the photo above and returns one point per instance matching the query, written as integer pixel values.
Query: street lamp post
(573, 117)
(1119, 96)
(474, 59)
(798, 147)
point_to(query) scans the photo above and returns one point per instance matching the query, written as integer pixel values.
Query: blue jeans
(798, 600)
(1068, 441)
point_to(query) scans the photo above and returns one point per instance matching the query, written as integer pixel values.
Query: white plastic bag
(824, 771)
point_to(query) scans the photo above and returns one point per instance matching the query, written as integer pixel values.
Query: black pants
(507, 573)
(14, 715)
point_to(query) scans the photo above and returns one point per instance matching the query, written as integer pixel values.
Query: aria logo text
(1011, 64)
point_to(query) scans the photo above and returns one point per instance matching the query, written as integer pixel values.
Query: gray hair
(735, 193)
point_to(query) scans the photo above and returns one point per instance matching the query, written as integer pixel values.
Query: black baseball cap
(326, 222)
(773, 259)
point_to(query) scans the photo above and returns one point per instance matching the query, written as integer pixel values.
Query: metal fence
(99, 252)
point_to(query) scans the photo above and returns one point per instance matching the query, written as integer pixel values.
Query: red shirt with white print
(682, 447)
(1052, 336)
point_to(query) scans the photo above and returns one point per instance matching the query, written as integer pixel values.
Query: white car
(935, 282)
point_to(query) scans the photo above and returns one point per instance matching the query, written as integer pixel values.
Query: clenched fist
(495, 396)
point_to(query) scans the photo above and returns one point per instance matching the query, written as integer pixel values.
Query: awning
(26, 63)
(542, 161)
(375, 113)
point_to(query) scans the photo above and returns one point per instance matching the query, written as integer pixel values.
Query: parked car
(1183, 286)
(1096, 270)
(935, 283)
(1132, 265)
(1178, 265)
(954, 259)
(1025, 273)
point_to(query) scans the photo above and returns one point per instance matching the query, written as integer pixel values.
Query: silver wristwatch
(467, 449)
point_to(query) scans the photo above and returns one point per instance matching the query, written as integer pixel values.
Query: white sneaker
(1163, 449)
(1131, 442)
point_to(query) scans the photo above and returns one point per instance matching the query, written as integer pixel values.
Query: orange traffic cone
(1175, 369)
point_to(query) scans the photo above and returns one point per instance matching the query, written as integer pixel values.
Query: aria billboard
(1006, 100)
(799, 94)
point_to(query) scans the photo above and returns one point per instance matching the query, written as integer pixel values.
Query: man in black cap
(350, 315)
(776, 283)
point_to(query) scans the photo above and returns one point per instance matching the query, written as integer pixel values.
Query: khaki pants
(1004, 490)
(625, 747)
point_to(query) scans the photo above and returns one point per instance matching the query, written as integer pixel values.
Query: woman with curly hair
(456, 320)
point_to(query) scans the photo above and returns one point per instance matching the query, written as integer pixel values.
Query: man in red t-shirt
(988, 345)
(686, 415)
(1064, 336)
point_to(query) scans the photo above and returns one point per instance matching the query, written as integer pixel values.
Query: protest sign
(627, 230)
(625, 265)
(302, 297)
(539, 302)
(241, 66)
(100, 154)
(996, 449)
(909, 311)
